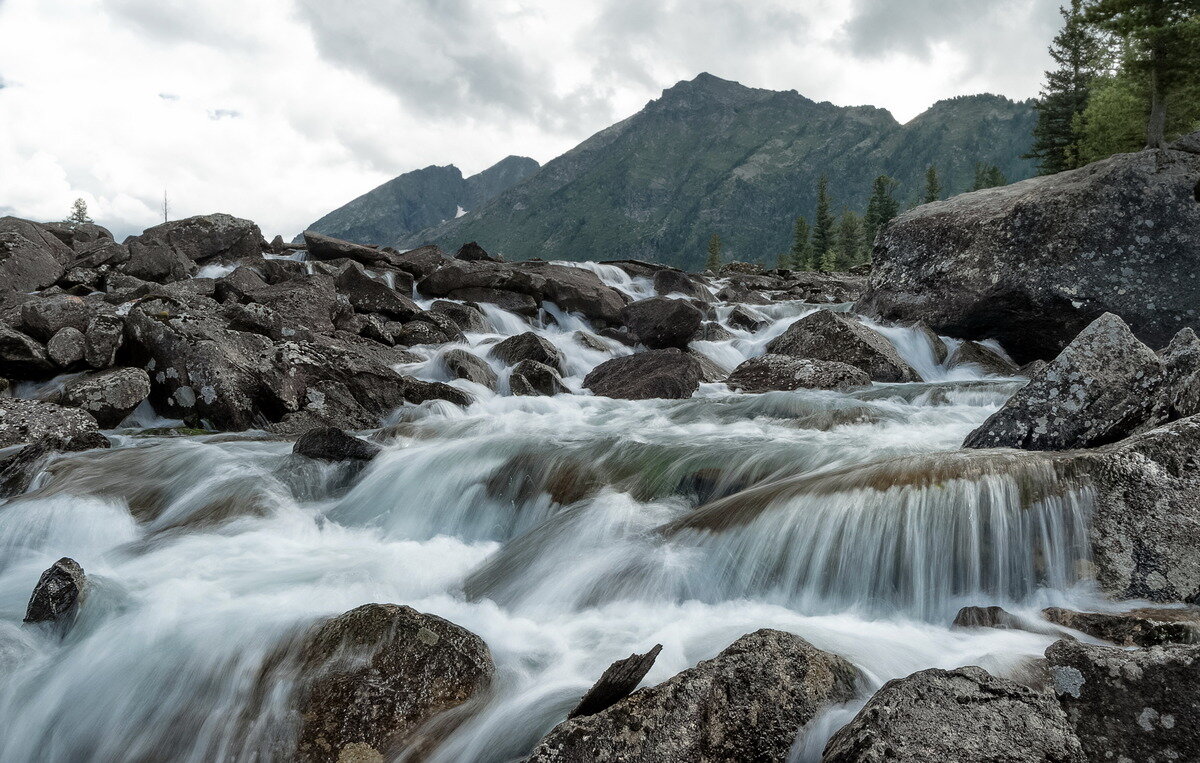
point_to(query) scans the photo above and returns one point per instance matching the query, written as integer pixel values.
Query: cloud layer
(280, 110)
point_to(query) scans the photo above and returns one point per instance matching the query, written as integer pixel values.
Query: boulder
(101, 255)
(748, 703)
(646, 375)
(465, 365)
(104, 336)
(826, 335)
(421, 261)
(984, 358)
(527, 346)
(575, 290)
(370, 296)
(238, 285)
(373, 676)
(57, 593)
(669, 281)
(322, 247)
(741, 318)
(711, 331)
(742, 295)
(1030, 264)
(204, 239)
(1137, 627)
(529, 377)
(78, 236)
(154, 260)
(1102, 387)
(513, 302)
(1181, 358)
(710, 370)
(31, 257)
(333, 444)
(965, 714)
(616, 683)
(987, 617)
(935, 342)
(110, 395)
(659, 322)
(45, 317)
(473, 252)
(783, 372)
(1135, 705)
(27, 421)
(466, 317)
(67, 347)
(457, 275)
(415, 333)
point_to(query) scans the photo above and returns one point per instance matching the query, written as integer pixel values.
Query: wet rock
(984, 357)
(473, 252)
(1032, 263)
(374, 327)
(104, 335)
(668, 281)
(659, 322)
(826, 335)
(45, 317)
(466, 317)
(747, 703)
(322, 247)
(742, 295)
(370, 678)
(465, 365)
(57, 593)
(416, 332)
(575, 290)
(370, 296)
(1104, 386)
(646, 375)
(935, 341)
(66, 348)
(616, 682)
(783, 372)
(711, 331)
(710, 370)
(591, 341)
(333, 444)
(529, 377)
(1136, 705)
(742, 318)
(513, 302)
(310, 302)
(32, 420)
(31, 257)
(443, 323)
(1137, 627)
(987, 617)
(421, 261)
(527, 346)
(965, 714)
(109, 396)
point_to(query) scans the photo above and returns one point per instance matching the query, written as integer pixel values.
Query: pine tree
(1162, 46)
(987, 176)
(1082, 54)
(79, 213)
(881, 208)
(801, 253)
(822, 234)
(849, 240)
(933, 185)
(713, 262)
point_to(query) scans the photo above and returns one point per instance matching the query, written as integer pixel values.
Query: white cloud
(280, 110)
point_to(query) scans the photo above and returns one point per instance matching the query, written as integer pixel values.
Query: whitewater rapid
(561, 530)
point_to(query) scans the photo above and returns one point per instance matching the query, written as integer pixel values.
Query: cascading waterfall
(567, 532)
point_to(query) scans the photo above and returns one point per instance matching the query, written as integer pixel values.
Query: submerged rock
(965, 714)
(333, 444)
(465, 365)
(783, 372)
(1137, 627)
(647, 375)
(747, 703)
(659, 322)
(826, 335)
(57, 593)
(370, 678)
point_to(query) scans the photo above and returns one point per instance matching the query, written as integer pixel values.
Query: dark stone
(711, 331)
(307, 301)
(78, 236)
(31, 257)
(420, 332)
(57, 593)
(513, 302)
(984, 358)
(104, 336)
(987, 617)
(465, 365)
(826, 335)
(43, 318)
(421, 261)
(616, 682)
(332, 444)
(473, 252)
(370, 296)
(646, 375)
(1182, 361)
(26, 421)
(66, 348)
(527, 346)
(783, 372)
(238, 285)
(529, 377)
(205, 239)
(321, 247)
(1137, 627)
(742, 318)
(669, 281)
(466, 317)
(659, 322)
(110, 395)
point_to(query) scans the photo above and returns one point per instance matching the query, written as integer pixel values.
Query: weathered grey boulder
(45, 317)
(310, 302)
(747, 703)
(1137, 627)
(205, 238)
(527, 346)
(238, 285)
(370, 296)
(784, 372)
(110, 395)
(78, 236)
(987, 617)
(659, 322)
(1181, 395)
(57, 593)
(473, 252)
(616, 683)
(156, 261)
(1130, 704)
(1032, 263)
(1102, 387)
(333, 444)
(513, 302)
(646, 375)
(31, 257)
(465, 365)
(104, 335)
(421, 261)
(33, 420)
(575, 290)
(671, 281)
(983, 357)
(322, 247)
(965, 714)
(826, 335)
(373, 676)
(711, 331)
(740, 317)
(467, 317)
(67, 347)
(529, 377)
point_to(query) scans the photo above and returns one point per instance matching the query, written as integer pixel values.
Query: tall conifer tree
(933, 185)
(822, 234)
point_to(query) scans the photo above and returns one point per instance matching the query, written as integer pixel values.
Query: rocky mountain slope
(419, 199)
(713, 156)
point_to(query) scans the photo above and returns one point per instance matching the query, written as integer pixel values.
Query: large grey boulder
(965, 714)
(78, 236)
(370, 296)
(465, 365)
(322, 247)
(43, 318)
(57, 593)
(826, 335)
(529, 378)
(647, 375)
(748, 703)
(660, 322)
(783, 372)
(31, 257)
(1032, 263)
(109, 395)
(1130, 704)
(333, 444)
(373, 676)
(32, 420)
(981, 356)
(1181, 357)
(22, 356)
(204, 239)
(1102, 387)
(67, 347)
(528, 346)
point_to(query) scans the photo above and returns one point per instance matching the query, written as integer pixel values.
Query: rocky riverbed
(333, 502)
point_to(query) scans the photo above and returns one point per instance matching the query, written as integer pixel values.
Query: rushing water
(565, 531)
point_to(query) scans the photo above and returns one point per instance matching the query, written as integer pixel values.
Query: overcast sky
(281, 110)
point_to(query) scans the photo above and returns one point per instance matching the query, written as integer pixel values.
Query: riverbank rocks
(110, 395)
(1105, 385)
(1030, 264)
(22, 356)
(1137, 627)
(646, 375)
(31, 257)
(826, 335)
(27, 421)
(1130, 704)
(670, 281)
(660, 322)
(965, 714)
(57, 593)
(747, 703)
(45, 317)
(370, 296)
(370, 678)
(783, 372)
(333, 444)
